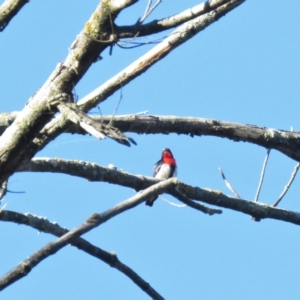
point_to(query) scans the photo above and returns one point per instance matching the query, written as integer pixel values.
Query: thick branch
(287, 142)
(15, 142)
(43, 225)
(94, 172)
(94, 221)
(8, 10)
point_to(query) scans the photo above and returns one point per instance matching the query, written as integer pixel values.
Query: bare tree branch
(96, 128)
(15, 142)
(170, 22)
(94, 172)
(286, 142)
(8, 10)
(262, 175)
(27, 132)
(94, 221)
(43, 225)
(256, 210)
(175, 39)
(286, 188)
(183, 198)
(148, 11)
(84, 52)
(227, 183)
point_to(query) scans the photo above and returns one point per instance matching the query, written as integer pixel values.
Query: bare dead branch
(176, 38)
(262, 175)
(16, 143)
(183, 198)
(94, 221)
(227, 183)
(43, 225)
(156, 26)
(68, 74)
(97, 129)
(286, 188)
(83, 52)
(8, 10)
(257, 210)
(286, 142)
(93, 172)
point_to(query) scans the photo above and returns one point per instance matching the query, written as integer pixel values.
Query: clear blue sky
(244, 68)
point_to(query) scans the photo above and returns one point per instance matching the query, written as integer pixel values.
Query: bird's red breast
(166, 166)
(167, 157)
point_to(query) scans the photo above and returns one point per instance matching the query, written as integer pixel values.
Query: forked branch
(99, 130)
(95, 172)
(43, 225)
(170, 22)
(83, 52)
(148, 11)
(17, 144)
(94, 221)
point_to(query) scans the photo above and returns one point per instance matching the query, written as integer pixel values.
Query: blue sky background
(244, 68)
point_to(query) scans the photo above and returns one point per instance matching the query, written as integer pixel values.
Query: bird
(165, 168)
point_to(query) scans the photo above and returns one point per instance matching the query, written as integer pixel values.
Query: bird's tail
(150, 201)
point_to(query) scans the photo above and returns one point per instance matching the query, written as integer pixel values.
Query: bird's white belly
(165, 172)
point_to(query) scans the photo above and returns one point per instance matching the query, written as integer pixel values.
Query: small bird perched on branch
(165, 168)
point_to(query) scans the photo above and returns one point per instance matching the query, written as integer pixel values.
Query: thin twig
(172, 203)
(229, 185)
(3, 207)
(148, 10)
(286, 188)
(119, 43)
(183, 198)
(262, 175)
(122, 44)
(116, 109)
